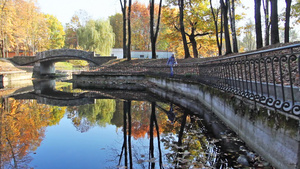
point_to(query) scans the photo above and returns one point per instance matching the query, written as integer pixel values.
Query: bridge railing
(270, 77)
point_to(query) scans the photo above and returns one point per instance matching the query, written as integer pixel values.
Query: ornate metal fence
(270, 77)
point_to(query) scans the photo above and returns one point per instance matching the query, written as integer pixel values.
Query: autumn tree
(4, 24)
(78, 20)
(198, 14)
(24, 28)
(116, 23)
(71, 40)
(139, 21)
(98, 36)
(57, 34)
(198, 24)
(140, 18)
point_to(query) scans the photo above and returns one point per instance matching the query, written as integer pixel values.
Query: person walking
(171, 62)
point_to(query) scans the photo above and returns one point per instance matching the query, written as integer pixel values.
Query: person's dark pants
(171, 69)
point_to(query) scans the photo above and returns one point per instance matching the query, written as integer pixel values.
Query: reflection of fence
(272, 80)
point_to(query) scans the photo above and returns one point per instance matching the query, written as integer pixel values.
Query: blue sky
(65, 9)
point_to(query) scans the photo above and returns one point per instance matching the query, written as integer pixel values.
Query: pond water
(44, 127)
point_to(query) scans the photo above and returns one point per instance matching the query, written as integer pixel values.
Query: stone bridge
(44, 61)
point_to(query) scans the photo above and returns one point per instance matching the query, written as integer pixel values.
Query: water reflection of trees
(184, 138)
(141, 119)
(86, 116)
(177, 140)
(23, 124)
(190, 146)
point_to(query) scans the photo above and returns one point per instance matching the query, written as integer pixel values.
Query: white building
(141, 54)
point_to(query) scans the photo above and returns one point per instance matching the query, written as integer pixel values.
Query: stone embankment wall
(15, 79)
(90, 80)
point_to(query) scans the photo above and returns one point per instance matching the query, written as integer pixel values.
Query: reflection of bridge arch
(45, 93)
(44, 62)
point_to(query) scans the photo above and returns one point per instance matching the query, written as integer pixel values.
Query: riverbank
(12, 76)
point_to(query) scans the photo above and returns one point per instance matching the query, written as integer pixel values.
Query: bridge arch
(57, 55)
(44, 62)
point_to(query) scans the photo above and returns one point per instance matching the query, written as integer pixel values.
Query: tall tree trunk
(186, 48)
(287, 21)
(125, 111)
(224, 9)
(123, 7)
(221, 31)
(194, 45)
(129, 32)
(3, 5)
(233, 30)
(215, 17)
(267, 22)
(259, 42)
(151, 128)
(153, 46)
(154, 35)
(274, 23)
(129, 131)
(180, 138)
(2, 47)
(158, 140)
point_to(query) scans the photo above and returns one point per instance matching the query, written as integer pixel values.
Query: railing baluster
(224, 75)
(260, 79)
(231, 64)
(292, 58)
(242, 76)
(266, 74)
(250, 78)
(255, 80)
(246, 78)
(235, 77)
(238, 74)
(273, 75)
(282, 59)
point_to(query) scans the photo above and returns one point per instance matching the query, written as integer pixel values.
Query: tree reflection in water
(185, 144)
(22, 128)
(176, 137)
(189, 141)
(87, 116)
